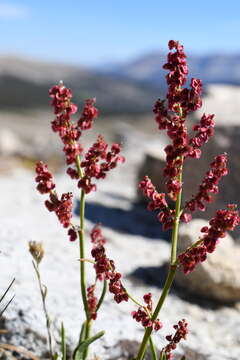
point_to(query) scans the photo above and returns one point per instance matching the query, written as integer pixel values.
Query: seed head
(36, 250)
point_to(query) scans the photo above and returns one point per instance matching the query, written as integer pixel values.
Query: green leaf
(163, 356)
(79, 351)
(63, 342)
(103, 294)
(81, 338)
(82, 333)
(152, 349)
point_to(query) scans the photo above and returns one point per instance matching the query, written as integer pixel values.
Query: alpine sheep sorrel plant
(86, 165)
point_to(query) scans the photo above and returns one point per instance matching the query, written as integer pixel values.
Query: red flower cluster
(116, 287)
(181, 333)
(62, 207)
(44, 178)
(68, 132)
(178, 70)
(172, 118)
(61, 100)
(177, 131)
(204, 131)
(225, 220)
(149, 190)
(143, 314)
(97, 235)
(158, 201)
(187, 99)
(209, 184)
(92, 166)
(89, 113)
(72, 233)
(105, 268)
(92, 302)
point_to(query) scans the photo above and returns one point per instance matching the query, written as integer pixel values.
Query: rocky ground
(135, 241)
(137, 245)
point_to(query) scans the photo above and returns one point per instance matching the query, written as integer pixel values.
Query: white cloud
(13, 11)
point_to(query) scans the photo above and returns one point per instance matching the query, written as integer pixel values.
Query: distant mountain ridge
(211, 69)
(24, 83)
(132, 87)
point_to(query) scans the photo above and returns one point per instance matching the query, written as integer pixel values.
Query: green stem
(171, 272)
(81, 242)
(163, 296)
(63, 343)
(82, 256)
(134, 300)
(176, 220)
(102, 295)
(82, 253)
(43, 291)
(82, 333)
(152, 349)
(87, 336)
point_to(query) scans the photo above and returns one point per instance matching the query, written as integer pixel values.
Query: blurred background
(114, 51)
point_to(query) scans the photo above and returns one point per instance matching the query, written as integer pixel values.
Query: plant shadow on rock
(136, 221)
(156, 275)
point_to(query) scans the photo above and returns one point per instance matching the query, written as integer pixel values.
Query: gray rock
(216, 278)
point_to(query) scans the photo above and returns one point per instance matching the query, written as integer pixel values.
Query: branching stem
(171, 272)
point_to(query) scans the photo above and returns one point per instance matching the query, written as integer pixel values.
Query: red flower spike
(88, 115)
(158, 202)
(72, 234)
(105, 268)
(180, 334)
(44, 178)
(204, 131)
(143, 316)
(62, 207)
(92, 302)
(171, 116)
(73, 173)
(209, 184)
(64, 210)
(97, 162)
(68, 132)
(97, 235)
(224, 220)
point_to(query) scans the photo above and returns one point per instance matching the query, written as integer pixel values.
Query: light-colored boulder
(216, 278)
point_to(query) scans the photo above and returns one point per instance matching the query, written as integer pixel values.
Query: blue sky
(98, 31)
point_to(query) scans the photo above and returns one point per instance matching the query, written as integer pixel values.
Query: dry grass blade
(6, 306)
(5, 293)
(19, 350)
